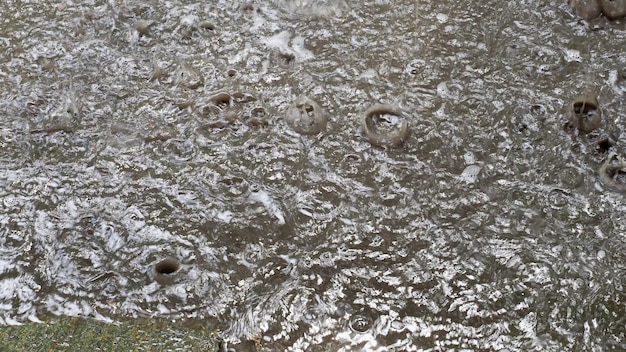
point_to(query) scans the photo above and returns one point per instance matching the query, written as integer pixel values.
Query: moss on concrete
(77, 334)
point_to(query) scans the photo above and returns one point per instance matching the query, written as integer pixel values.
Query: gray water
(132, 131)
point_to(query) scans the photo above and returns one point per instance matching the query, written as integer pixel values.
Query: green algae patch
(78, 334)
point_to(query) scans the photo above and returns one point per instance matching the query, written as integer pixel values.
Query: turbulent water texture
(132, 131)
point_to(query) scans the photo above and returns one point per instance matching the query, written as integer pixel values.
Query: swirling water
(138, 130)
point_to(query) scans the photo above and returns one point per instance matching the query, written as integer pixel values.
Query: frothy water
(139, 131)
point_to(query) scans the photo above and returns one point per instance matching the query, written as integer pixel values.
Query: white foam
(571, 55)
(283, 42)
(225, 216)
(470, 174)
(269, 203)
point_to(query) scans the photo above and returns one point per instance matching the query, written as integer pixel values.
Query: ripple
(557, 199)
(138, 134)
(321, 8)
(569, 177)
(188, 77)
(361, 323)
(178, 149)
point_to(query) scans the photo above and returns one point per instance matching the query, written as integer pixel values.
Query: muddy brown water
(133, 131)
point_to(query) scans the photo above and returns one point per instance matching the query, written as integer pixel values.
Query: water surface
(133, 131)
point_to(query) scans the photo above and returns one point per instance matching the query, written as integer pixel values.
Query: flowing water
(133, 131)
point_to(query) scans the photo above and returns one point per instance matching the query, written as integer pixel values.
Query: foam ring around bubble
(380, 128)
(613, 173)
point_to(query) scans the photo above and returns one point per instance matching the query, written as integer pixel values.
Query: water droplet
(397, 325)
(360, 323)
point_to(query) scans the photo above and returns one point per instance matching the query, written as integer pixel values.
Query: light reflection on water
(487, 230)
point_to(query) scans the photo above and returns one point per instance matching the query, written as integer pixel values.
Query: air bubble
(385, 126)
(305, 116)
(360, 323)
(586, 114)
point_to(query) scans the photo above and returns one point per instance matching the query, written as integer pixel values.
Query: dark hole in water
(585, 108)
(604, 145)
(309, 109)
(207, 26)
(537, 109)
(222, 100)
(287, 58)
(616, 173)
(167, 266)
